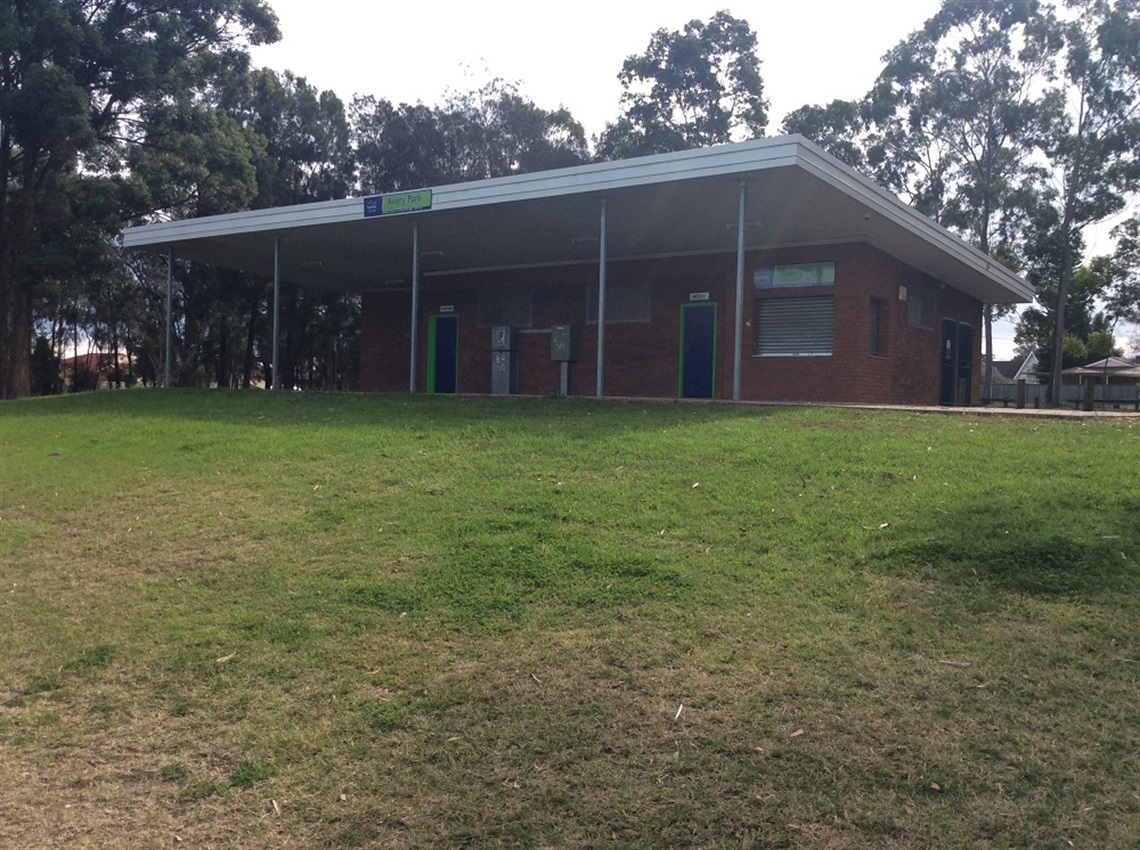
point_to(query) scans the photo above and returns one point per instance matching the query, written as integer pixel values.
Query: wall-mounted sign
(802, 274)
(447, 308)
(698, 296)
(398, 202)
(764, 277)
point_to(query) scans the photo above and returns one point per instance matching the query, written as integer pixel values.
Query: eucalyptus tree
(1123, 297)
(495, 131)
(398, 147)
(949, 122)
(307, 157)
(198, 154)
(840, 128)
(492, 131)
(875, 135)
(247, 139)
(959, 106)
(995, 111)
(1087, 286)
(1092, 146)
(308, 146)
(693, 87)
(73, 74)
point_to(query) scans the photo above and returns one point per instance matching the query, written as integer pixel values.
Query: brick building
(845, 293)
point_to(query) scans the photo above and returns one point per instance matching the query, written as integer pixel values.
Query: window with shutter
(794, 326)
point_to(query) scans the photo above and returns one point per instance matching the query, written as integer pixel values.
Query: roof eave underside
(682, 203)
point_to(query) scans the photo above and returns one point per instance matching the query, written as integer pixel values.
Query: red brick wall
(908, 370)
(642, 359)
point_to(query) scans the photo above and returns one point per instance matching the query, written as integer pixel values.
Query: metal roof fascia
(818, 162)
(250, 221)
(584, 179)
(722, 160)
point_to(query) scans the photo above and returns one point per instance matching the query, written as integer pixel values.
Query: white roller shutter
(794, 326)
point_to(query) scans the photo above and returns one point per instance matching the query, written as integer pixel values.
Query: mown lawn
(302, 621)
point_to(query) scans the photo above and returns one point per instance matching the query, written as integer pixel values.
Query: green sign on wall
(803, 274)
(397, 202)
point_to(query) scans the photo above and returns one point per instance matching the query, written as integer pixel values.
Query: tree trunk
(1072, 190)
(1066, 278)
(250, 339)
(223, 376)
(987, 312)
(1059, 328)
(117, 371)
(18, 357)
(330, 364)
(17, 232)
(5, 324)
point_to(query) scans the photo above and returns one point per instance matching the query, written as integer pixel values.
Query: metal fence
(1110, 395)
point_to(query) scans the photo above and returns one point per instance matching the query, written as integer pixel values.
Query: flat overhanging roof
(656, 206)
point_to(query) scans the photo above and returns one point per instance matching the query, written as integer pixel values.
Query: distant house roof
(1112, 364)
(1130, 372)
(1007, 368)
(92, 361)
(1018, 368)
(1115, 369)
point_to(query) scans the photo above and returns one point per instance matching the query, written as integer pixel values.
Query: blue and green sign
(803, 274)
(397, 202)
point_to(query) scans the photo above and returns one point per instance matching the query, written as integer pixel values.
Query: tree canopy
(692, 87)
(75, 80)
(114, 111)
(490, 132)
(1093, 141)
(1013, 122)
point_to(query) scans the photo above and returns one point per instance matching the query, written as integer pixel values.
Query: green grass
(346, 621)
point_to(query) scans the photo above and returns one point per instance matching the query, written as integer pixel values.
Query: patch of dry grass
(257, 621)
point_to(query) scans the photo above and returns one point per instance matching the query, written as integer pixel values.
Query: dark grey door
(443, 354)
(949, 362)
(698, 350)
(965, 363)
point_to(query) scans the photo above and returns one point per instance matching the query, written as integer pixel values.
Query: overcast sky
(569, 54)
(812, 51)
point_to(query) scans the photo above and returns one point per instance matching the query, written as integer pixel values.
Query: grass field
(304, 621)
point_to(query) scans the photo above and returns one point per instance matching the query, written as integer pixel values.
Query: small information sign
(764, 277)
(398, 202)
(698, 296)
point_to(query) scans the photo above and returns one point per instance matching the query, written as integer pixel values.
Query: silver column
(739, 341)
(601, 300)
(415, 304)
(276, 385)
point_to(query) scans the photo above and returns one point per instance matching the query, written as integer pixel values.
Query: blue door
(698, 350)
(443, 354)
